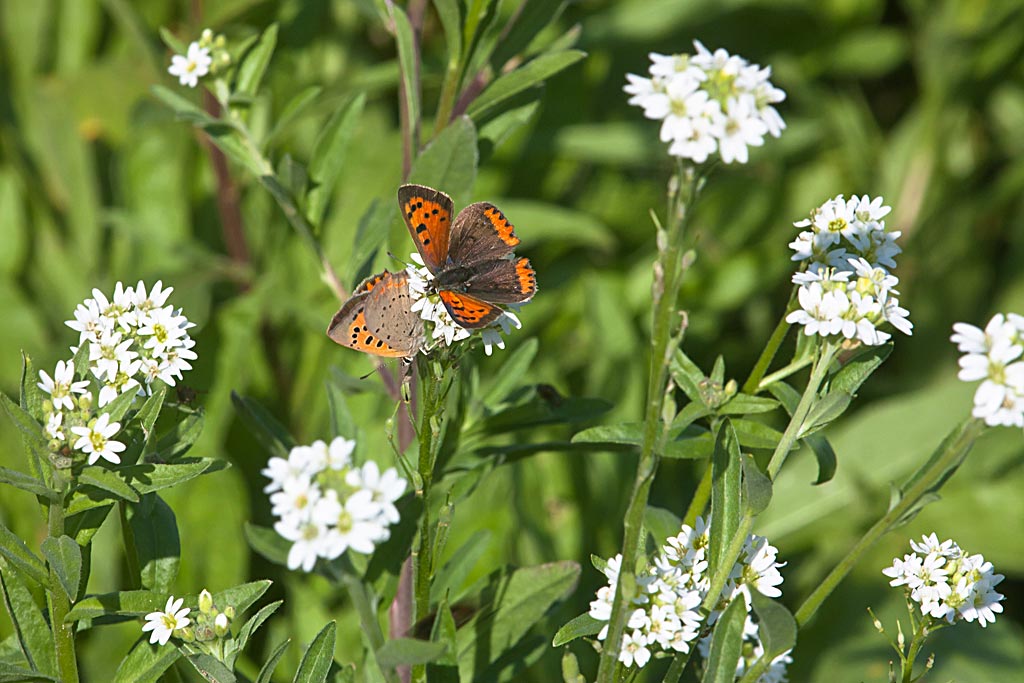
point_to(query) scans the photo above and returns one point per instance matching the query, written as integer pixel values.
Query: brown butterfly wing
(481, 232)
(428, 215)
(350, 326)
(389, 313)
(468, 311)
(502, 281)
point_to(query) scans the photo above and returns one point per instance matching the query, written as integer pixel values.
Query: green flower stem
(925, 480)
(59, 604)
(679, 662)
(753, 383)
(826, 354)
(432, 400)
(366, 607)
(667, 276)
(782, 373)
(907, 665)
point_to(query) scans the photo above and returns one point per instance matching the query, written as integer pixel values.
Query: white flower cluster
(132, 339)
(994, 356)
(443, 328)
(708, 102)
(847, 289)
(164, 624)
(947, 582)
(326, 504)
(666, 617)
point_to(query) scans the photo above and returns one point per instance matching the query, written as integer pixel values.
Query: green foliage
(104, 176)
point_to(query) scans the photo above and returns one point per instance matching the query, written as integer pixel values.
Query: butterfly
(378, 319)
(470, 257)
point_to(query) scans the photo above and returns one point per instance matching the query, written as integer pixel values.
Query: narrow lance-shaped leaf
(65, 558)
(14, 550)
(726, 470)
(726, 644)
(35, 640)
(329, 156)
(154, 530)
(317, 659)
(267, 670)
(533, 72)
(146, 663)
(408, 651)
(757, 488)
(211, 669)
(581, 627)
(661, 524)
(254, 64)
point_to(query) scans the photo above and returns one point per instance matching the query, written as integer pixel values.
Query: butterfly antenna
(402, 261)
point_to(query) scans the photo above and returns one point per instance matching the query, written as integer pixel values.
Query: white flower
(164, 328)
(355, 523)
(62, 385)
(96, 440)
(53, 426)
(164, 624)
(760, 570)
(339, 454)
(296, 499)
(307, 538)
(88, 321)
(192, 66)
(995, 357)
(634, 649)
(156, 298)
(384, 488)
(738, 129)
(123, 380)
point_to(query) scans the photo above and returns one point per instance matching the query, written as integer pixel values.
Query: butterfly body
(471, 256)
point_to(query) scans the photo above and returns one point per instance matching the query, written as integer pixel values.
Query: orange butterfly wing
(428, 215)
(469, 311)
(349, 326)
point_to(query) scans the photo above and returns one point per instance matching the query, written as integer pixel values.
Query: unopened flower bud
(229, 611)
(205, 602)
(186, 634)
(220, 42)
(221, 624)
(85, 402)
(206, 38)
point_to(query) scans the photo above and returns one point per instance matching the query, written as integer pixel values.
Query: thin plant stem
(826, 354)
(667, 276)
(60, 605)
(931, 475)
(678, 665)
(783, 372)
(753, 383)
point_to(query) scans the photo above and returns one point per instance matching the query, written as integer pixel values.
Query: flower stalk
(59, 604)
(668, 270)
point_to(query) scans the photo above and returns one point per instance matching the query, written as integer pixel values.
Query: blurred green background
(919, 101)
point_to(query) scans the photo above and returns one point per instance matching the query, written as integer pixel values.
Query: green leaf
(30, 626)
(407, 62)
(150, 410)
(254, 64)
(745, 404)
(268, 431)
(582, 626)
(154, 530)
(122, 603)
(726, 505)
(857, 370)
(776, 626)
(267, 670)
(511, 604)
(293, 110)
(107, 480)
(242, 596)
(267, 543)
(444, 632)
(119, 407)
(543, 411)
(172, 41)
(685, 445)
(825, 411)
(83, 524)
(819, 445)
(533, 72)
(756, 434)
(146, 663)
(14, 550)
(453, 574)
(449, 161)
(726, 644)
(371, 233)
(408, 651)
(210, 668)
(11, 674)
(32, 397)
(31, 431)
(757, 488)
(318, 657)
(661, 524)
(27, 482)
(511, 373)
(65, 558)
(183, 108)
(329, 153)
(147, 477)
(250, 627)
(533, 17)
(451, 21)
(687, 376)
(179, 439)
